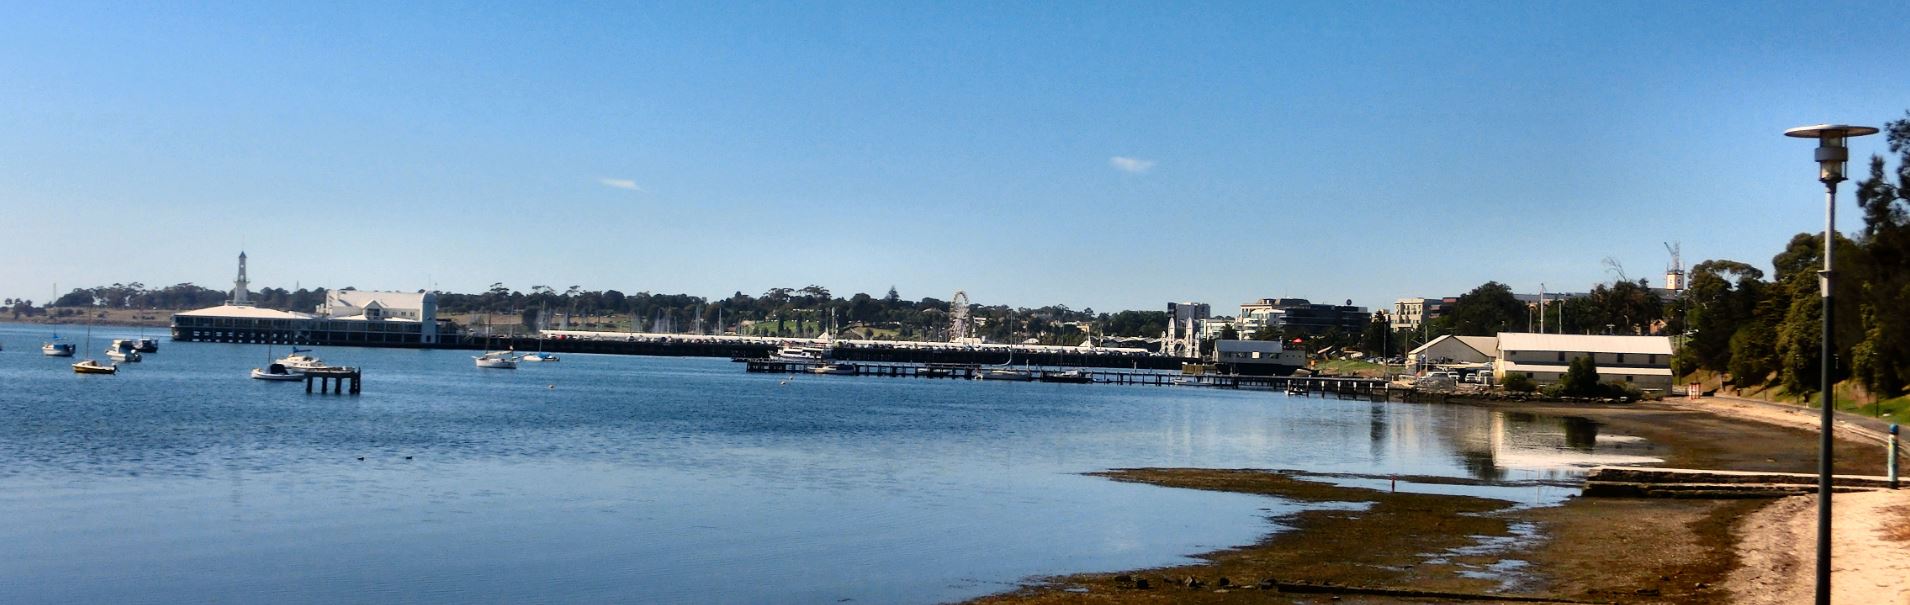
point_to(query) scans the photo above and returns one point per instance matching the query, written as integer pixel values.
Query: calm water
(650, 479)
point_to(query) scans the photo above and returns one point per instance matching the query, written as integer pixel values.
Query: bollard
(1893, 457)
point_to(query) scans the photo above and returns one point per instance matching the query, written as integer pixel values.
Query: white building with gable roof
(348, 317)
(1642, 361)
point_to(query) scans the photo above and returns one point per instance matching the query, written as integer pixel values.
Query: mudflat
(1385, 547)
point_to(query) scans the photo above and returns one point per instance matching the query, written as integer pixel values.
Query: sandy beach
(1384, 547)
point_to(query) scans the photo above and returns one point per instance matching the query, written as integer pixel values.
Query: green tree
(1377, 335)
(1486, 310)
(1799, 331)
(1581, 378)
(1721, 296)
(1880, 359)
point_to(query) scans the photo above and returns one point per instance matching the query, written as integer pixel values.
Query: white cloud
(1132, 165)
(621, 184)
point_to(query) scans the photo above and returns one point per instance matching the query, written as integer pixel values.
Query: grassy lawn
(1848, 399)
(1351, 367)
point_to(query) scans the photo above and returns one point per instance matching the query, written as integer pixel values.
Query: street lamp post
(1831, 159)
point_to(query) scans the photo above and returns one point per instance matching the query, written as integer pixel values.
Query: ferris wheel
(960, 326)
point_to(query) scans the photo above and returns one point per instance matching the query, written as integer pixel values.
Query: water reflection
(622, 479)
(1550, 447)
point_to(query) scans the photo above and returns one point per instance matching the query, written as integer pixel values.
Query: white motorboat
(539, 357)
(497, 360)
(798, 353)
(275, 372)
(840, 369)
(57, 349)
(124, 350)
(298, 362)
(1066, 376)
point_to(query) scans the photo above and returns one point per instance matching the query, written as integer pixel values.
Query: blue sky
(1105, 155)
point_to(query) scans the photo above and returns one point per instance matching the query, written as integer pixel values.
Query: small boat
(840, 369)
(806, 354)
(146, 345)
(299, 362)
(1066, 376)
(124, 351)
(57, 349)
(540, 355)
(1007, 374)
(89, 366)
(497, 360)
(275, 372)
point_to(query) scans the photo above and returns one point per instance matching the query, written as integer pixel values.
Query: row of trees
(1770, 331)
(1621, 307)
(779, 311)
(804, 311)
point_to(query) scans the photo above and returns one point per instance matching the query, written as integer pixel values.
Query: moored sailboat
(496, 360)
(91, 366)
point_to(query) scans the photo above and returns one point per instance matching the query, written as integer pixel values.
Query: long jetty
(856, 351)
(1326, 386)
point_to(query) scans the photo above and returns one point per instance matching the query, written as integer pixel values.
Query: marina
(937, 490)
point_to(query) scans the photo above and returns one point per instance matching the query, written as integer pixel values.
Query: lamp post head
(1831, 153)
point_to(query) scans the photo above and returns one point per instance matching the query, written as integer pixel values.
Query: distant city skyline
(1115, 156)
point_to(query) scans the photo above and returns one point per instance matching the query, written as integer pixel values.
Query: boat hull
(57, 350)
(1066, 377)
(496, 361)
(258, 374)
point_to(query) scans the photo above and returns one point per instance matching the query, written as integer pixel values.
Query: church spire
(239, 297)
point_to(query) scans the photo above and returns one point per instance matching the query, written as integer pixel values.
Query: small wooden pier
(333, 380)
(1299, 386)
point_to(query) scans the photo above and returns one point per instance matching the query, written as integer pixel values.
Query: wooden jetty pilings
(333, 380)
(1304, 386)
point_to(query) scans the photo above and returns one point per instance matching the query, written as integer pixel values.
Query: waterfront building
(1182, 337)
(1306, 316)
(1212, 328)
(1642, 361)
(1451, 349)
(1257, 357)
(1255, 317)
(348, 317)
(1413, 313)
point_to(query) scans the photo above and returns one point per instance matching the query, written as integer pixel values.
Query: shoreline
(1405, 547)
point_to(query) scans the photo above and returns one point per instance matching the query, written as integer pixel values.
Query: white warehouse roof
(1579, 343)
(248, 312)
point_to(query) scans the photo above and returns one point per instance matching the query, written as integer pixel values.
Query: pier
(333, 380)
(1299, 386)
